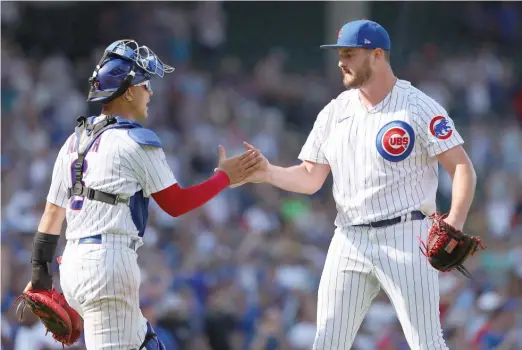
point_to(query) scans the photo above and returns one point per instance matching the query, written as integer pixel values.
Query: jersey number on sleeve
(77, 204)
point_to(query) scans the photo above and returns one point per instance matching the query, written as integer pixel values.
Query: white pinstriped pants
(101, 282)
(360, 261)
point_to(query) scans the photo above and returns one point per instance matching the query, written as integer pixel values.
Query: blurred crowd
(242, 271)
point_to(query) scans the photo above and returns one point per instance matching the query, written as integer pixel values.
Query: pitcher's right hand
(239, 167)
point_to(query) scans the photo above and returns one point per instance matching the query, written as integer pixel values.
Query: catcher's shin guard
(152, 341)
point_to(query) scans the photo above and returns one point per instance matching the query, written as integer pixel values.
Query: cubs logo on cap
(440, 128)
(395, 141)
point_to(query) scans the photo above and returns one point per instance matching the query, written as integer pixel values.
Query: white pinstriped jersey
(382, 159)
(115, 164)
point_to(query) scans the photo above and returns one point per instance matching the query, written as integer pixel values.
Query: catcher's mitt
(50, 306)
(447, 248)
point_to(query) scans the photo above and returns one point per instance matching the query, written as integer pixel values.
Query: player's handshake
(260, 174)
(239, 167)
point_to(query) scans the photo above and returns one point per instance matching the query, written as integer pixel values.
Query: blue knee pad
(152, 341)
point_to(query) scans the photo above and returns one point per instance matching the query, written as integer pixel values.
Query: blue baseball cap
(364, 34)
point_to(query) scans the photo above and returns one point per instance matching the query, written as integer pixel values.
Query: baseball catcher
(447, 248)
(103, 179)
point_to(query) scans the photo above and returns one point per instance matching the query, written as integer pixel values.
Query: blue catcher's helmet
(124, 63)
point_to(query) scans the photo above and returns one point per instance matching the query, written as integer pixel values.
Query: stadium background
(242, 272)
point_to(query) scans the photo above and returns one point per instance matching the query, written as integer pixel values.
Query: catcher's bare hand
(261, 174)
(239, 167)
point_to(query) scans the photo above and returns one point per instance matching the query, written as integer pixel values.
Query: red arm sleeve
(177, 201)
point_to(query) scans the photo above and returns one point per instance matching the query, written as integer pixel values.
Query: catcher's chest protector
(86, 135)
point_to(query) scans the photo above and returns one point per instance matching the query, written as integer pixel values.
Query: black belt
(97, 239)
(414, 215)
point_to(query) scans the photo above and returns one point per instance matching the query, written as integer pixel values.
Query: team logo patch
(440, 128)
(395, 141)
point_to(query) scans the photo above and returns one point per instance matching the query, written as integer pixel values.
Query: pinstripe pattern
(121, 166)
(101, 281)
(359, 263)
(377, 177)
(344, 137)
(340, 311)
(58, 190)
(418, 307)
(106, 293)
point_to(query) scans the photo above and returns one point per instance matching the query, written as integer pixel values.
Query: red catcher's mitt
(65, 324)
(447, 248)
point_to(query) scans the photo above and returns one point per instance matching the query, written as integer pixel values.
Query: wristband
(44, 248)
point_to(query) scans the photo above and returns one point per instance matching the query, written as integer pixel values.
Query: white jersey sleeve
(58, 191)
(313, 149)
(437, 131)
(151, 168)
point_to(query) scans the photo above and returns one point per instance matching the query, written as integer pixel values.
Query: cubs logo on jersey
(395, 141)
(440, 128)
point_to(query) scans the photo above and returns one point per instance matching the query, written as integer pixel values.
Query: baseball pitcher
(382, 139)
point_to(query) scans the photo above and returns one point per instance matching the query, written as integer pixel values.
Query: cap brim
(336, 46)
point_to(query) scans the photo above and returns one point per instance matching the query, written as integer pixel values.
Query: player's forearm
(177, 201)
(44, 246)
(52, 219)
(299, 179)
(463, 191)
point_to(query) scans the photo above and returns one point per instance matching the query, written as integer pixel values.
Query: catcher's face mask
(144, 57)
(124, 63)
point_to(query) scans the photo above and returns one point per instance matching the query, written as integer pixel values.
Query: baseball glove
(447, 248)
(50, 306)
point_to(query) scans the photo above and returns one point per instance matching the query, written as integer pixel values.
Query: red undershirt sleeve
(177, 201)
